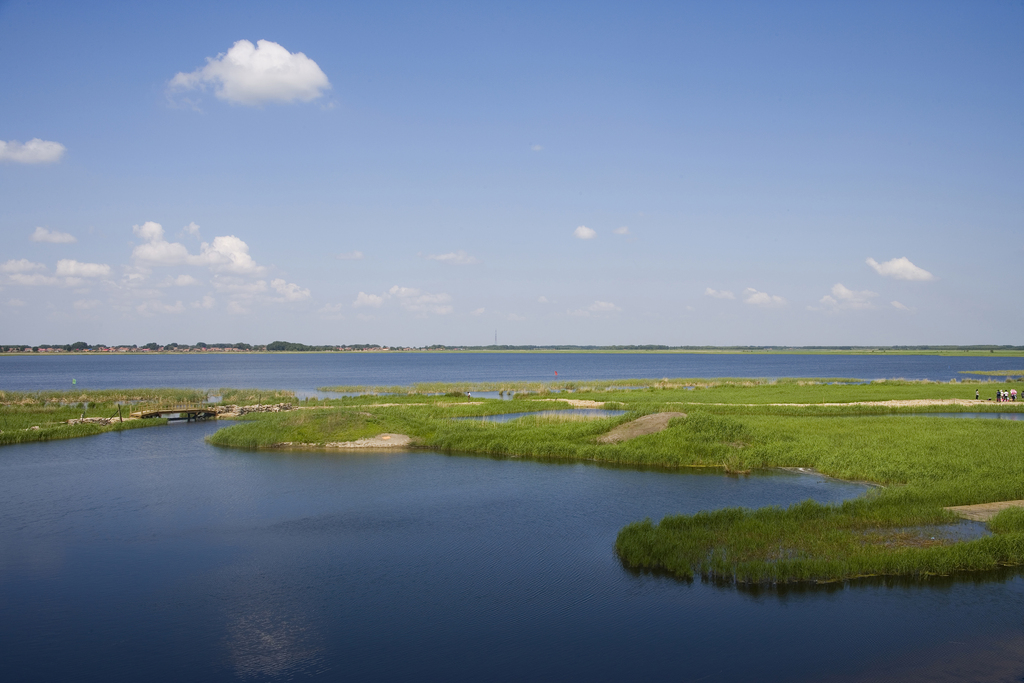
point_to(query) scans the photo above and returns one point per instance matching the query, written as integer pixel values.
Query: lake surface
(151, 555)
(304, 373)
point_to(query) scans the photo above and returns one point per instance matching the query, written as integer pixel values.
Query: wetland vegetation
(919, 466)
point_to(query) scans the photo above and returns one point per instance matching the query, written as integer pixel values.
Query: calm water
(150, 555)
(306, 372)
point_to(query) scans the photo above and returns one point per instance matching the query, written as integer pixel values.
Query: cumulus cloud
(756, 298)
(226, 253)
(53, 237)
(73, 269)
(35, 151)
(20, 266)
(238, 287)
(624, 230)
(596, 308)
(900, 269)
(256, 74)
(542, 300)
(191, 229)
(32, 280)
(86, 304)
(719, 294)
(371, 300)
(351, 256)
(897, 304)
(421, 302)
(842, 297)
(459, 258)
(184, 281)
(206, 302)
(288, 291)
(479, 311)
(583, 233)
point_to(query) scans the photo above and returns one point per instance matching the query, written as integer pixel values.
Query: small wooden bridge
(190, 412)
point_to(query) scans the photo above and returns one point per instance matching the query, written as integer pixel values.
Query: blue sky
(563, 173)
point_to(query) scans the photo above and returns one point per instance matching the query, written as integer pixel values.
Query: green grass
(921, 464)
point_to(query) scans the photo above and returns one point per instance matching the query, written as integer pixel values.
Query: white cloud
(239, 287)
(842, 297)
(255, 74)
(184, 281)
(54, 237)
(897, 304)
(86, 304)
(537, 148)
(237, 308)
(583, 233)
(332, 311)
(71, 268)
(151, 308)
(35, 279)
(597, 307)
(35, 151)
(479, 311)
(351, 256)
(192, 229)
(365, 299)
(206, 302)
(757, 298)
(542, 300)
(459, 258)
(21, 266)
(900, 269)
(226, 253)
(16, 302)
(624, 230)
(719, 294)
(515, 317)
(415, 301)
(288, 291)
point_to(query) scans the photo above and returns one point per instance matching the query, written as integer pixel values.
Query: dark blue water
(150, 555)
(306, 372)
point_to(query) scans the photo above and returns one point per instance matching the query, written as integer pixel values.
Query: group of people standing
(1002, 396)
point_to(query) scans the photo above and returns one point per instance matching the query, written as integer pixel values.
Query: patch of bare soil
(983, 512)
(648, 424)
(379, 442)
(576, 402)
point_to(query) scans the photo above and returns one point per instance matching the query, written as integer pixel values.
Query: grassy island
(870, 432)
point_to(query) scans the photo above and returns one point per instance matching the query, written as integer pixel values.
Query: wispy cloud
(53, 237)
(596, 308)
(35, 151)
(371, 300)
(20, 266)
(422, 302)
(844, 298)
(756, 298)
(900, 269)
(351, 256)
(72, 268)
(584, 233)
(479, 311)
(624, 230)
(256, 74)
(458, 258)
(898, 305)
(537, 148)
(719, 294)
